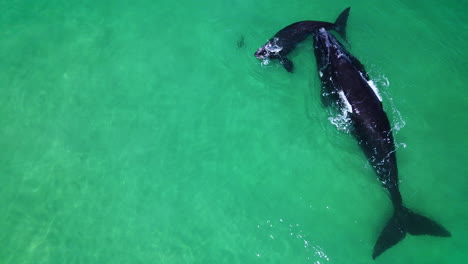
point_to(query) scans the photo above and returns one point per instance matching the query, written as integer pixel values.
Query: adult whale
(285, 40)
(345, 80)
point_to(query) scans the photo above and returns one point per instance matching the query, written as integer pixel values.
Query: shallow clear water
(142, 133)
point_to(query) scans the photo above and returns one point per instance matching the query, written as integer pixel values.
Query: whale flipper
(287, 63)
(405, 221)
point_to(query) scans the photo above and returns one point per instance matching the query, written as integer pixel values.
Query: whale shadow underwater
(346, 85)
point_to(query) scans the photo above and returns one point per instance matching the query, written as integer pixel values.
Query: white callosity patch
(340, 54)
(322, 30)
(273, 47)
(323, 34)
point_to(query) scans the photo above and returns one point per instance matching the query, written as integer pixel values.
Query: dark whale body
(287, 38)
(345, 81)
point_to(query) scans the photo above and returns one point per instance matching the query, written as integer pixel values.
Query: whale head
(262, 53)
(270, 50)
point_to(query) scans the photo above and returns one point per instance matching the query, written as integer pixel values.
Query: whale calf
(285, 40)
(345, 81)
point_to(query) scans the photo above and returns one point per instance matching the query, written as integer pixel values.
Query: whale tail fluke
(341, 21)
(405, 221)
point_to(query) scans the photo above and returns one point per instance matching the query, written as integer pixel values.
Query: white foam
(387, 82)
(398, 121)
(341, 120)
(265, 62)
(373, 86)
(348, 107)
(375, 89)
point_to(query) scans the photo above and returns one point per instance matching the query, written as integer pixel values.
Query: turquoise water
(143, 133)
